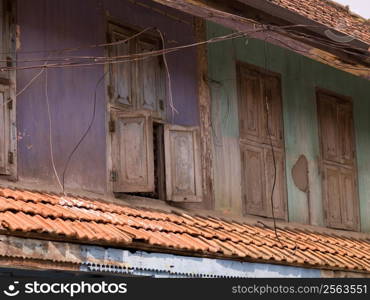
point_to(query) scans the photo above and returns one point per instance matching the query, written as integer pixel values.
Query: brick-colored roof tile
(84, 220)
(330, 14)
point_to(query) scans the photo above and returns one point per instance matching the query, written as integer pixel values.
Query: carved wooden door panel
(261, 126)
(132, 152)
(339, 181)
(182, 160)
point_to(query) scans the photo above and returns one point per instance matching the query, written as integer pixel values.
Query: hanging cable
(96, 60)
(169, 86)
(271, 145)
(93, 115)
(50, 132)
(138, 56)
(65, 169)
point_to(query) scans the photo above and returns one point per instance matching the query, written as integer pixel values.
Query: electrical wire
(169, 87)
(98, 45)
(97, 60)
(30, 82)
(49, 52)
(319, 57)
(136, 56)
(50, 133)
(272, 147)
(84, 135)
(93, 115)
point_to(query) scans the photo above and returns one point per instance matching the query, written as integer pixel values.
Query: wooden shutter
(338, 161)
(328, 117)
(132, 152)
(4, 129)
(279, 196)
(349, 209)
(332, 195)
(251, 106)
(253, 183)
(150, 79)
(182, 160)
(346, 134)
(274, 122)
(258, 178)
(258, 169)
(121, 73)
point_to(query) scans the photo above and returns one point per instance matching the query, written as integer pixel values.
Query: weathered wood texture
(205, 115)
(4, 129)
(233, 17)
(183, 165)
(138, 84)
(8, 134)
(300, 77)
(261, 142)
(55, 24)
(340, 195)
(132, 152)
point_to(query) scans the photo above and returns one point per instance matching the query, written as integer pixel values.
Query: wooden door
(339, 176)
(261, 128)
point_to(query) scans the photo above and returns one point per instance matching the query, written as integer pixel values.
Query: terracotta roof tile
(330, 14)
(84, 220)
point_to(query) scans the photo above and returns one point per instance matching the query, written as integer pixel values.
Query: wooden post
(204, 98)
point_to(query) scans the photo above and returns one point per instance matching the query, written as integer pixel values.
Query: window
(261, 129)
(149, 157)
(338, 163)
(137, 84)
(7, 93)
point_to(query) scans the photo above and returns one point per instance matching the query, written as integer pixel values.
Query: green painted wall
(300, 77)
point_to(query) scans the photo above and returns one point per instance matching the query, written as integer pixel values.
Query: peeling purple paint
(55, 24)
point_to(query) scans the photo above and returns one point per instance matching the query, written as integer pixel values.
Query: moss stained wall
(300, 77)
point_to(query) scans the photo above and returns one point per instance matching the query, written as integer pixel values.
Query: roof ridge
(346, 8)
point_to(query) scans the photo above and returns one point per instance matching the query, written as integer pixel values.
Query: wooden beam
(213, 11)
(295, 18)
(205, 103)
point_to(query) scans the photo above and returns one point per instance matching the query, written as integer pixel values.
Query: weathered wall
(300, 76)
(56, 24)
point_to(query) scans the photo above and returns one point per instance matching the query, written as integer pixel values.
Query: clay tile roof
(331, 14)
(46, 216)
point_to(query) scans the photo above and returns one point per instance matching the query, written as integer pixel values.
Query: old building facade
(185, 130)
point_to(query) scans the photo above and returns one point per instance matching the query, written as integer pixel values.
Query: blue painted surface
(169, 265)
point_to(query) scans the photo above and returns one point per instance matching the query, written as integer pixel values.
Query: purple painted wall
(56, 24)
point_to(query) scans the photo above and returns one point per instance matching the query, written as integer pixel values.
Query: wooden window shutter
(150, 79)
(253, 184)
(132, 152)
(260, 126)
(258, 176)
(339, 164)
(121, 73)
(251, 106)
(328, 117)
(280, 193)
(349, 208)
(273, 125)
(4, 130)
(332, 195)
(346, 134)
(182, 164)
